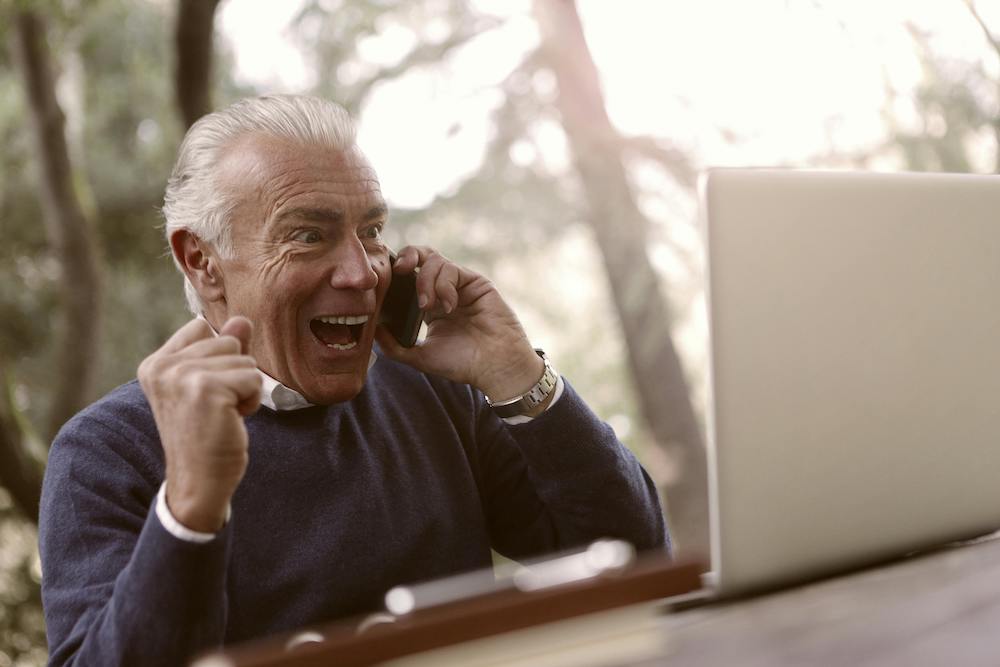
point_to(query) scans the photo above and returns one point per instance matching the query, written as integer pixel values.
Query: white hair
(193, 200)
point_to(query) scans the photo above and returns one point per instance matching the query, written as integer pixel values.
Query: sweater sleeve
(117, 587)
(563, 480)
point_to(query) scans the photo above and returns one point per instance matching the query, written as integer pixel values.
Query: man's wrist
(175, 527)
(201, 517)
(548, 405)
(519, 375)
(534, 400)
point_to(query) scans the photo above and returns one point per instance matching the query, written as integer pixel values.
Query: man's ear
(200, 264)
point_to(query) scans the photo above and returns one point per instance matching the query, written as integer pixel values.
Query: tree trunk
(621, 230)
(193, 75)
(70, 238)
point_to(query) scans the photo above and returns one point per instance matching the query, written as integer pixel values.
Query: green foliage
(114, 60)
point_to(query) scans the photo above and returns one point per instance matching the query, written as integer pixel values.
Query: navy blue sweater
(413, 479)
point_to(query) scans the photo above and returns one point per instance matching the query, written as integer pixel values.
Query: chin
(337, 391)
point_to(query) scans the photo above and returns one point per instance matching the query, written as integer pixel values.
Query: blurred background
(554, 146)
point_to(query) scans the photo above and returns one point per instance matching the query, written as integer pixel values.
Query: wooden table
(940, 608)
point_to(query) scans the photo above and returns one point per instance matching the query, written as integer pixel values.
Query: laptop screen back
(855, 337)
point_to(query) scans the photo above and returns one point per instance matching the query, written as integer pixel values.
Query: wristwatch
(531, 399)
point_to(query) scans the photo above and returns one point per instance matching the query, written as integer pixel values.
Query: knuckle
(230, 344)
(175, 372)
(152, 370)
(142, 372)
(198, 383)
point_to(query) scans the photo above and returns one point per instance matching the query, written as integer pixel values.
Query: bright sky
(790, 78)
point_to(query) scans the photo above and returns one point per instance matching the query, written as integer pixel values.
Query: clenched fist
(200, 388)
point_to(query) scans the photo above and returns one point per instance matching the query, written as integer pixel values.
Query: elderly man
(266, 471)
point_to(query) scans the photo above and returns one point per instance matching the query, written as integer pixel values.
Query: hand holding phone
(401, 313)
(473, 337)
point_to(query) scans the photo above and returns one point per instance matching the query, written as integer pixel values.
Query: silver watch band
(531, 399)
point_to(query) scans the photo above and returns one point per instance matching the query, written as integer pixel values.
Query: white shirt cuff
(174, 527)
(524, 419)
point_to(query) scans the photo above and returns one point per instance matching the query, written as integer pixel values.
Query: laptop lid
(855, 340)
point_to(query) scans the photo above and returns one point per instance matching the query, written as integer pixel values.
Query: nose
(352, 267)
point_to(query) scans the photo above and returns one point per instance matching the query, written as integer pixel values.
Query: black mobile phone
(401, 314)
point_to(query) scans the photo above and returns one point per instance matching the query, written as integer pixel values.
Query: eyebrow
(321, 214)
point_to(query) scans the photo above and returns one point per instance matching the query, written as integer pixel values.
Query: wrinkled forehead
(269, 169)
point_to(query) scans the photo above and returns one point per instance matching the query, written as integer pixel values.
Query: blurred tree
(20, 468)
(119, 132)
(121, 138)
(193, 35)
(74, 247)
(22, 628)
(75, 270)
(951, 121)
(622, 234)
(993, 41)
(332, 31)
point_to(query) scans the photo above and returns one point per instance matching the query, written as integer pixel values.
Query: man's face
(310, 269)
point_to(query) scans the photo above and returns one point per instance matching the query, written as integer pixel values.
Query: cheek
(266, 287)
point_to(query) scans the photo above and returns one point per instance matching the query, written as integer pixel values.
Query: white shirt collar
(277, 396)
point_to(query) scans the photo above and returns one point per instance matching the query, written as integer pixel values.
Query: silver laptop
(855, 345)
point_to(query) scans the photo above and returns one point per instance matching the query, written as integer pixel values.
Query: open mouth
(340, 332)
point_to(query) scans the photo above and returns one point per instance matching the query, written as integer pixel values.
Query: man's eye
(308, 236)
(372, 233)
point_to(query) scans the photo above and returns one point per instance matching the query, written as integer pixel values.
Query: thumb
(391, 347)
(240, 328)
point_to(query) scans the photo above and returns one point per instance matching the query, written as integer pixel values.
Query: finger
(240, 328)
(248, 406)
(391, 347)
(413, 257)
(409, 258)
(195, 330)
(243, 384)
(427, 278)
(210, 347)
(446, 286)
(222, 362)
(421, 356)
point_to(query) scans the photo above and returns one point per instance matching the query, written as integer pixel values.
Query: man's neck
(274, 394)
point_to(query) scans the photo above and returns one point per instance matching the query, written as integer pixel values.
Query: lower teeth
(348, 346)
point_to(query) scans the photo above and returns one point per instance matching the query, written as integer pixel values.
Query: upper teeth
(344, 319)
